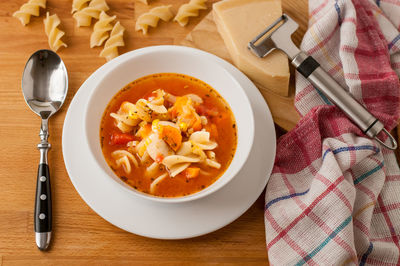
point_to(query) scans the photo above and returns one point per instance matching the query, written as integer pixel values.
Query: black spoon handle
(43, 216)
(43, 200)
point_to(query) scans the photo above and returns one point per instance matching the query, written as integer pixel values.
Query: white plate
(160, 220)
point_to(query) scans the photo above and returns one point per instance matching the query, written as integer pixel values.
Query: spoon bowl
(45, 86)
(45, 83)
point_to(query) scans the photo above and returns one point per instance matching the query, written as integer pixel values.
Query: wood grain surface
(81, 237)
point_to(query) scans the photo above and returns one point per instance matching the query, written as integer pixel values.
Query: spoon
(45, 86)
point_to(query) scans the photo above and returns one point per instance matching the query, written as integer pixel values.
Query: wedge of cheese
(239, 22)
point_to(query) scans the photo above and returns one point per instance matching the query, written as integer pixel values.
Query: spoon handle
(43, 216)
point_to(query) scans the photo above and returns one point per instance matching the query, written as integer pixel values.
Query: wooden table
(81, 237)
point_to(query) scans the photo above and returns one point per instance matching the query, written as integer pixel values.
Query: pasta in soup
(169, 135)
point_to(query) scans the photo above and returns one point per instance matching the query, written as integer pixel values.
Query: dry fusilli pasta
(110, 50)
(84, 16)
(29, 9)
(146, 2)
(79, 5)
(152, 17)
(53, 33)
(101, 29)
(190, 9)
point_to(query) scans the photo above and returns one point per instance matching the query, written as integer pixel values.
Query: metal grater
(278, 36)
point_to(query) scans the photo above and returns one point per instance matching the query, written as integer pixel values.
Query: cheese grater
(278, 36)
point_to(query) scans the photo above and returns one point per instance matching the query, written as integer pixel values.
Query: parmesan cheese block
(239, 22)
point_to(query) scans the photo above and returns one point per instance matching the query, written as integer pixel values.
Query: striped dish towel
(334, 195)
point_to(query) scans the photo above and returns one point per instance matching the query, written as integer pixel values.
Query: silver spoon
(45, 86)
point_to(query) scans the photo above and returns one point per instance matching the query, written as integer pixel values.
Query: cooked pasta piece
(178, 168)
(31, 8)
(178, 159)
(158, 108)
(116, 39)
(53, 33)
(210, 155)
(141, 111)
(213, 164)
(124, 162)
(189, 148)
(132, 146)
(84, 16)
(145, 158)
(121, 153)
(170, 98)
(152, 169)
(155, 183)
(129, 115)
(123, 158)
(124, 117)
(195, 98)
(120, 118)
(202, 172)
(152, 17)
(101, 29)
(132, 143)
(190, 9)
(178, 163)
(185, 149)
(202, 140)
(79, 5)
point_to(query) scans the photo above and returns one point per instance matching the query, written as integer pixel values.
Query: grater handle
(369, 124)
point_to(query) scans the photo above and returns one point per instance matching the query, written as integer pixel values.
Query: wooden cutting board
(205, 36)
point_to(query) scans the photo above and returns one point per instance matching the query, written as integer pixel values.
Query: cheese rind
(240, 21)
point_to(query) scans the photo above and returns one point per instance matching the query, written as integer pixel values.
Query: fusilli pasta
(123, 158)
(31, 8)
(192, 151)
(101, 29)
(53, 33)
(129, 114)
(146, 2)
(79, 5)
(190, 9)
(152, 17)
(202, 140)
(110, 50)
(84, 16)
(155, 183)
